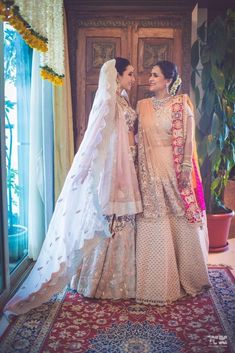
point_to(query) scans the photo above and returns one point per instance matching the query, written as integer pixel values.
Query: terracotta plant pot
(229, 201)
(218, 229)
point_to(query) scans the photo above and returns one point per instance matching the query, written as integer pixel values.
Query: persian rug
(70, 323)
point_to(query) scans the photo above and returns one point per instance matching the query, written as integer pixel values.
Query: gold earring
(118, 86)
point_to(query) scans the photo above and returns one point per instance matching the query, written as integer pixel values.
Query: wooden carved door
(143, 42)
(95, 46)
(149, 46)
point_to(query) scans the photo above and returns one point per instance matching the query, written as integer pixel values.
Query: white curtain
(40, 160)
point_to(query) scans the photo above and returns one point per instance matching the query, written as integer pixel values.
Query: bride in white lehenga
(100, 196)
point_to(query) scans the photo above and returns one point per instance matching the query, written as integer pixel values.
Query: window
(17, 77)
(15, 74)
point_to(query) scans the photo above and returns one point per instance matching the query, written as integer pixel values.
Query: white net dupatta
(78, 223)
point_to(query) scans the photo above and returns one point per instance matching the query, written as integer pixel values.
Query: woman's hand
(185, 177)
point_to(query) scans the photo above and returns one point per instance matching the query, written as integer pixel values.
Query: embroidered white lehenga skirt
(109, 271)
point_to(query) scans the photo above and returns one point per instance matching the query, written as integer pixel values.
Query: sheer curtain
(63, 125)
(41, 176)
(23, 87)
(51, 151)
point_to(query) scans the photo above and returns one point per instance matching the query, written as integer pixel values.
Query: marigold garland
(48, 74)
(11, 13)
(33, 39)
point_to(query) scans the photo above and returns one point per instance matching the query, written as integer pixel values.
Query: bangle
(187, 164)
(186, 167)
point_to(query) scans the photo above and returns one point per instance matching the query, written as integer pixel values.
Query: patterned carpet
(69, 323)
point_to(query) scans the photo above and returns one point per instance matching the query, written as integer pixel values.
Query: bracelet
(187, 167)
(187, 164)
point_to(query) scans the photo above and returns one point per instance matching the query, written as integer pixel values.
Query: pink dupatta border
(193, 201)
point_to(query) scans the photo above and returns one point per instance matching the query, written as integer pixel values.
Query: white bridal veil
(77, 224)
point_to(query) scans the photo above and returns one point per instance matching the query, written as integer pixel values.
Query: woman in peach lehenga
(99, 199)
(171, 233)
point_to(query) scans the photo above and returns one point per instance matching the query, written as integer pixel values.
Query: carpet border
(219, 309)
(49, 323)
(38, 344)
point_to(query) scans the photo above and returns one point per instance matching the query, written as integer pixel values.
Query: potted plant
(213, 59)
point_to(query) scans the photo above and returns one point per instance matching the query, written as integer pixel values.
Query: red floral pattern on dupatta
(192, 211)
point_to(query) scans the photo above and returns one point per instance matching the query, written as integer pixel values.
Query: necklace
(128, 113)
(159, 103)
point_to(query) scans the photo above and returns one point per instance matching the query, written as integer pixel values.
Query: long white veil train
(78, 223)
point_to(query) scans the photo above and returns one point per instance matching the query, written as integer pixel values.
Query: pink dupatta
(192, 195)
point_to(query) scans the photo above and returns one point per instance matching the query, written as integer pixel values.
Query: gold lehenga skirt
(109, 271)
(171, 259)
(171, 254)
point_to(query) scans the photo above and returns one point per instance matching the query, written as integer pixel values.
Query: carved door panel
(141, 44)
(95, 46)
(149, 46)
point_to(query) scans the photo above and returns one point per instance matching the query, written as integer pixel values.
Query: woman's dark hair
(121, 65)
(170, 71)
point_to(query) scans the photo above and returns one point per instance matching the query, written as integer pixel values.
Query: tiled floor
(225, 258)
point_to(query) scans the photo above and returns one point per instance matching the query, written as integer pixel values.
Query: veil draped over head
(78, 222)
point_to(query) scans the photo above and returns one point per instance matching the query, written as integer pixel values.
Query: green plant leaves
(201, 32)
(231, 96)
(229, 112)
(217, 40)
(216, 127)
(193, 79)
(213, 138)
(197, 97)
(202, 148)
(231, 14)
(206, 76)
(9, 105)
(218, 78)
(208, 103)
(205, 54)
(195, 54)
(226, 131)
(233, 154)
(215, 184)
(215, 158)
